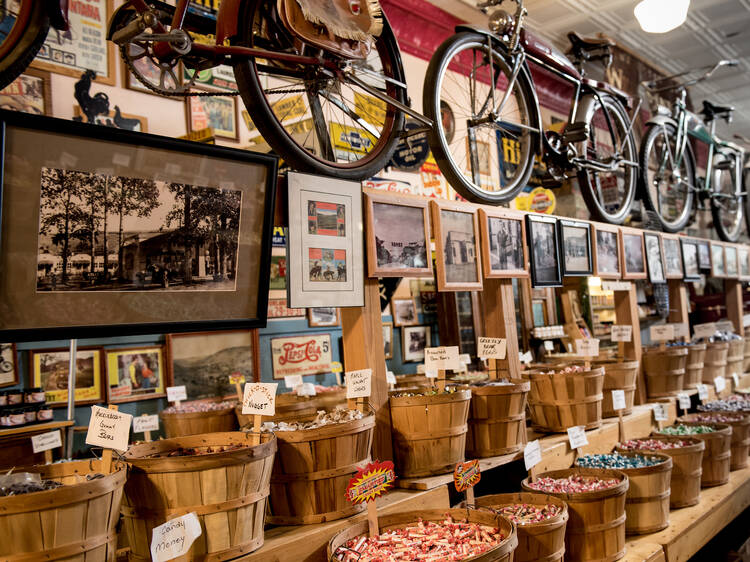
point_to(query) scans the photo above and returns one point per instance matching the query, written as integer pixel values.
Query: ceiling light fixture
(661, 16)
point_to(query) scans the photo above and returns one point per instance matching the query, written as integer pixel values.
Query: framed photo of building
(216, 112)
(575, 245)
(503, 249)
(180, 242)
(136, 373)
(718, 269)
(323, 316)
(388, 340)
(606, 252)
(30, 93)
(456, 232)
(743, 257)
(673, 268)
(398, 235)
(690, 259)
(633, 259)
(413, 341)
(704, 255)
(325, 261)
(49, 370)
(404, 312)
(654, 257)
(8, 364)
(541, 231)
(731, 266)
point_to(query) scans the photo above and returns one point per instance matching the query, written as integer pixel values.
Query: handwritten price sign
(442, 358)
(109, 429)
(370, 482)
(491, 348)
(259, 399)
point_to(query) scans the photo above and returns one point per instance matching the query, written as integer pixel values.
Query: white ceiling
(715, 29)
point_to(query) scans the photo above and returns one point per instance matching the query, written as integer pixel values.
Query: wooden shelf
(36, 428)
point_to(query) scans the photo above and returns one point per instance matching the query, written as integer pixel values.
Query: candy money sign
(466, 475)
(301, 355)
(371, 482)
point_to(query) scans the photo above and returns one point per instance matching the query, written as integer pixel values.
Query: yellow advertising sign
(540, 200)
(351, 139)
(371, 109)
(285, 109)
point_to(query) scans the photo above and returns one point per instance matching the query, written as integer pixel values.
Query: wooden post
(735, 311)
(500, 322)
(48, 456)
(678, 304)
(626, 312)
(470, 496)
(527, 311)
(363, 349)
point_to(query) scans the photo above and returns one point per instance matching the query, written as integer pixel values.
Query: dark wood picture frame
(166, 371)
(33, 382)
(718, 269)
(486, 214)
(218, 133)
(731, 249)
(653, 276)
(704, 263)
(553, 248)
(316, 324)
(562, 224)
(690, 276)
(46, 79)
(668, 242)
(614, 231)
(437, 208)
(14, 367)
(626, 235)
(396, 319)
(404, 331)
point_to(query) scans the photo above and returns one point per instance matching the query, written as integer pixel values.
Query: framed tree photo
(633, 259)
(718, 269)
(456, 235)
(503, 233)
(575, 244)
(136, 373)
(731, 265)
(690, 260)
(49, 370)
(542, 234)
(8, 364)
(654, 258)
(606, 251)
(323, 316)
(673, 268)
(413, 341)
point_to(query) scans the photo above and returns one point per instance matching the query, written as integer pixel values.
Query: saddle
(344, 27)
(710, 111)
(589, 49)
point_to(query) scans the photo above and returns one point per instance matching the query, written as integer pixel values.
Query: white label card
(390, 378)
(684, 400)
(109, 428)
(430, 373)
(176, 393)
(464, 358)
(703, 391)
(704, 330)
(660, 412)
(622, 333)
(681, 330)
(492, 348)
(577, 437)
(618, 400)
(526, 357)
(175, 537)
(293, 381)
(532, 454)
(259, 398)
(587, 348)
(548, 345)
(720, 383)
(663, 332)
(359, 383)
(445, 358)
(616, 285)
(145, 423)
(725, 326)
(306, 389)
(46, 441)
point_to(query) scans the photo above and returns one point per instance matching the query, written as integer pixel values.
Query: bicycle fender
(659, 119)
(227, 20)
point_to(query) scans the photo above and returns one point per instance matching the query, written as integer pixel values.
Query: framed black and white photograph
(704, 255)
(575, 247)
(503, 250)
(325, 260)
(730, 261)
(398, 235)
(718, 269)
(542, 234)
(100, 232)
(606, 251)
(690, 260)
(388, 340)
(413, 341)
(673, 268)
(633, 259)
(654, 258)
(8, 364)
(323, 316)
(456, 231)
(743, 257)
(404, 312)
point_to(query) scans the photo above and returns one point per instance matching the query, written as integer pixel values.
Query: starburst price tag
(466, 475)
(370, 482)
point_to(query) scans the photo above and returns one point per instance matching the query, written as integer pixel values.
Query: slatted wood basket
(596, 524)
(497, 420)
(715, 363)
(76, 522)
(502, 552)
(227, 490)
(291, 408)
(716, 457)
(618, 375)
(665, 370)
(735, 359)
(694, 367)
(740, 444)
(746, 356)
(179, 424)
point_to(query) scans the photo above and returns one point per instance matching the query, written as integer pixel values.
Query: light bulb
(661, 16)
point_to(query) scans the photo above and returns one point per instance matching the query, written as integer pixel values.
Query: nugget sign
(259, 398)
(371, 482)
(301, 355)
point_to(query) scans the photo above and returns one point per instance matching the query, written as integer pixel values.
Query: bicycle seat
(710, 111)
(588, 43)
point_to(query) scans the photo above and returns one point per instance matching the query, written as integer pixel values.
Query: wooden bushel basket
(73, 523)
(715, 363)
(312, 470)
(497, 420)
(746, 356)
(596, 523)
(694, 367)
(716, 457)
(618, 375)
(291, 408)
(664, 370)
(429, 432)
(502, 552)
(179, 424)
(540, 542)
(740, 445)
(227, 491)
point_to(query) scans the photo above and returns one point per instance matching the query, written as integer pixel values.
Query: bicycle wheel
(727, 208)
(666, 181)
(23, 29)
(609, 195)
(317, 120)
(486, 157)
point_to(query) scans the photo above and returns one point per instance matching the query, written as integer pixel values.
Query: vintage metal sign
(301, 355)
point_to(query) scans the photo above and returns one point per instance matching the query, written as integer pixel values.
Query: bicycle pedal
(575, 132)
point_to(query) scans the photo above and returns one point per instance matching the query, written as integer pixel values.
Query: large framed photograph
(704, 255)
(575, 244)
(673, 268)
(606, 251)
(49, 371)
(731, 266)
(654, 258)
(690, 260)
(30, 93)
(8, 364)
(388, 340)
(203, 361)
(503, 233)
(413, 341)
(323, 316)
(404, 312)
(102, 233)
(216, 112)
(398, 235)
(542, 234)
(325, 262)
(456, 232)
(718, 268)
(743, 257)
(633, 259)
(136, 373)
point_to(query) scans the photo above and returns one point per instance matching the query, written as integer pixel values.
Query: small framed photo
(575, 244)
(398, 235)
(136, 373)
(731, 266)
(30, 93)
(542, 235)
(654, 257)
(718, 268)
(388, 340)
(216, 112)
(325, 261)
(606, 252)
(633, 259)
(539, 313)
(503, 249)
(673, 268)
(49, 370)
(323, 316)
(456, 232)
(8, 364)
(743, 257)
(404, 312)
(704, 255)
(690, 260)
(413, 341)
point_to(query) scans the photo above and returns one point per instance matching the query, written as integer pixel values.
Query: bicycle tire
(725, 235)
(27, 46)
(597, 209)
(273, 131)
(439, 144)
(653, 131)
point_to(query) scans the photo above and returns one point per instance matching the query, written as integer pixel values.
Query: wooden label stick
(259, 399)
(107, 453)
(372, 518)
(441, 380)
(470, 496)
(238, 389)
(621, 424)
(48, 456)
(493, 369)
(257, 423)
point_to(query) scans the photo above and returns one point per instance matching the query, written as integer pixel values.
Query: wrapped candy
(200, 406)
(528, 514)
(338, 415)
(652, 444)
(574, 484)
(682, 429)
(617, 461)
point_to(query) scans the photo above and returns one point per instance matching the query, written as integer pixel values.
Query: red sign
(301, 355)
(371, 482)
(466, 475)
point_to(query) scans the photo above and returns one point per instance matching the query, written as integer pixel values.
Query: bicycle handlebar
(487, 4)
(653, 85)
